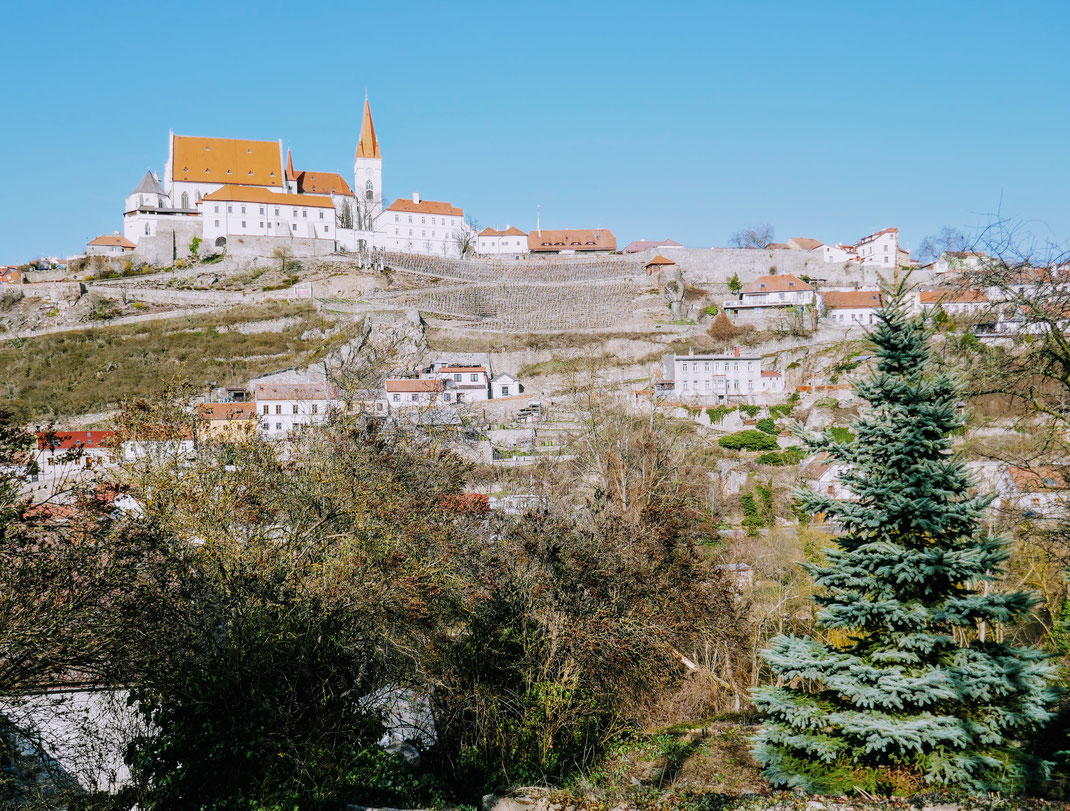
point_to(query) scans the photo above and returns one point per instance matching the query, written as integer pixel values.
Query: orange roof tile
(113, 240)
(368, 145)
(852, 299)
(569, 239)
(322, 183)
(953, 297)
(426, 207)
(410, 385)
(776, 284)
(226, 411)
(482, 369)
(226, 160)
(258, 194)
(1037, 479)
(511, 231)
(659, 260)
(805, 243)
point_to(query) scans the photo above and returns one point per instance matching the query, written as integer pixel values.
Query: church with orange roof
(229, 192)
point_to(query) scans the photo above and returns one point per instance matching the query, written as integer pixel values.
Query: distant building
(836, 253)
(10, 274)
(773, 292)
(505, 385)
(852, 307)
(1039, 493)
(468, 384)
(717, 378)
(570, 241)
(954, 301)
(881, 248)
(416, 392)
(510, 242)
(640, 245)
(109, 245)
(247, 211)
(658, 264)
(283, 407)
(428, 227)
(226, 422)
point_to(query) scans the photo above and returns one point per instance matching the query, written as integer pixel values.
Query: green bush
(788, 456)
(711, 310)
(749, 440)
(718, 413)
(842, 435)
(195, 246)
(750, 410)
(780, 410)
(767, 426)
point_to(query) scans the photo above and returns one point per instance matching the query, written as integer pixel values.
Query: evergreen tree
(915, 689)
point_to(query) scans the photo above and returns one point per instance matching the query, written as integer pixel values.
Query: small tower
(368, 173)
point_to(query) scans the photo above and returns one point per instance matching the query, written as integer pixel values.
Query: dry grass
(55, 376)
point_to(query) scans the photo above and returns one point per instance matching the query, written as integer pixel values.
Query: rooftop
(226, 160)
(257, 194)
(776, 284)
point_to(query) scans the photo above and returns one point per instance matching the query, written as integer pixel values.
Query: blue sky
(673, 119)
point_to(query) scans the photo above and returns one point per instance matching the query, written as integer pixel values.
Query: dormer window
(228, 171)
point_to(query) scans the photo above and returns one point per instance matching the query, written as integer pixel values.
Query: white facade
(421, 226)
(835, 253)
(284, 407)
(505, 385)
(407, 392)
(239, 211)
(509, 242)
(773, 291)
(716, 378)
(880, 249)
(468, 384)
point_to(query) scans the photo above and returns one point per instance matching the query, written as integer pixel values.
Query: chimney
(736, 350)
(416, 197)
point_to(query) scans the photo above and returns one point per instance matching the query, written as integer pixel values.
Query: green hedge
(749, 440)
(788, 456)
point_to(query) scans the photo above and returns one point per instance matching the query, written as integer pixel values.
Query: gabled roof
(804, 243)
(226, 160)
(368, 145)
(659, 260)
(568, 239)
(776, 284)
(322, 183)
(67, 440)
(113, 240)
(954, 296)
(644, 244)
(226, 411)
(426, 207)
(149, 185)
(511, 231)
(295, 391)
(1034, 480)
(414, 385)
(877, 234)
(852, 299)
(258, 194)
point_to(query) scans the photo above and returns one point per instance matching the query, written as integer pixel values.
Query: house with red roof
(429, 227)
(772, 293)
(510, 241)
(852, 307)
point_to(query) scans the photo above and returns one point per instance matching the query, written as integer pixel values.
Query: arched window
(146, 229)
(185, 199)
(198, 197)
(369, 191)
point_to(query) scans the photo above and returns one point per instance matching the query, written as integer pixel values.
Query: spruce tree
(915, 690)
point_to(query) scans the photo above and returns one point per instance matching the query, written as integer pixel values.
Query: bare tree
(948, 238)
(755, 236)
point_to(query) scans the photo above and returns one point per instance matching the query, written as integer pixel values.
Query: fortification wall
(711, 266)
(170, 242)
(266, 246)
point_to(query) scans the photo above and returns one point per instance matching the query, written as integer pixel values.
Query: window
(230, 209)
(397, 398)
(265, 409)
(705, 367)
(410, 232)
(315, 408)
(261, 223)
(396, 219)
(261, 210)
(304, 214)
(414, 398)
(278, 426)
(295, 212)
(243, 223)
(185, 200)
(684, 367)
(147, 227)
(216, 209)
(423, 220)
(432, 220)
(278, 409)
(368, 194)
(505, 391)
(243, 209)
(410, 219)
(397, 231)
(446, 396)
(474, 378)
(294, 227)
(276, 212)
(423, 233)
(685, 385)
(457, 378)
(321, 215)
(325, 229)
(294, 408)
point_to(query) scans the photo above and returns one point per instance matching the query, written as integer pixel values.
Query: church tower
(368, 173)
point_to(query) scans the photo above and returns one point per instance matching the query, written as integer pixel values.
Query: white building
(468, 384)
(1038, 493)
(510, 242)
(408, 392)
(955, 262)
(109, 245)
(881, 248)
(428, 227)
(235, 211)
(505, 385)
(852, 307)
(716, 378)
(836, 253)
(282, 407)
(954, 301)
(773, 292)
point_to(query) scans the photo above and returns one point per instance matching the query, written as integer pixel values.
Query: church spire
(368, 146)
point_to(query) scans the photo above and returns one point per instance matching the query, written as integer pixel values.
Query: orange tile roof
(322, 183)
(511, 231)
(852, 299)
(659, 260)
(426, 207)
(770, 373)
(409, 385)
(113, 240)
(258, 194)
(226, 411)
(368, 145)
(806, 243)
(482, 369)
(953, 297)
(570, 239)
(226, 160)
(776, 284)
(1037, 479)
(877, 234)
